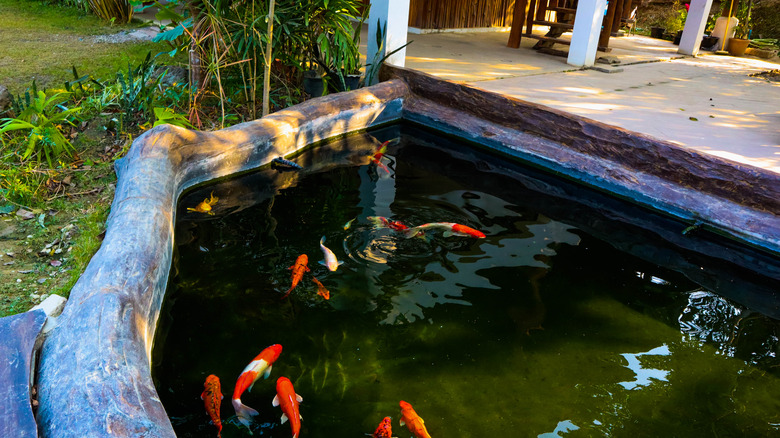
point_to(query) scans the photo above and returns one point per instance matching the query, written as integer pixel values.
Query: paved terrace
(658, 92)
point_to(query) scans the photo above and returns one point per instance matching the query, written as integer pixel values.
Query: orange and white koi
(260, 365)
(205, 205)
(212, 400)
(384, 430)
(450, 229)
(413, 422)
(288, 400)
(349, 223)
(387, 223)
(321, 290)
(300, 267)
(330, 259)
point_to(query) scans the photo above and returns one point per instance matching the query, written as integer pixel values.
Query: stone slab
(18, 335)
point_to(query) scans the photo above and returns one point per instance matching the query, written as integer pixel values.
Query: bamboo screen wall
(449, 14)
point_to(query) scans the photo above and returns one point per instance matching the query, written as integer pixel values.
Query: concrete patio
(710, 103)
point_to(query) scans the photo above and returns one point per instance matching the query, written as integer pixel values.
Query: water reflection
(733, 330)
(438, 270)
(563, 427)
(645, 376)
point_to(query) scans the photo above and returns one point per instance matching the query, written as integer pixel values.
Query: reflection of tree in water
(513, 259)
(733, 329)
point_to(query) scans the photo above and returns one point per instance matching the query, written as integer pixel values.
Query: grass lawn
(45, 248)
(43, 42)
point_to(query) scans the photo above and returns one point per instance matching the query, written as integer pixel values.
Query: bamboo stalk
(268, 58)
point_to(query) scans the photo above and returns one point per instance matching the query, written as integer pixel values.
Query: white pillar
(695, 24)
(585, 35)
(396, 14)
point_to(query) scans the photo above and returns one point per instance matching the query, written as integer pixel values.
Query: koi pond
(574, 316)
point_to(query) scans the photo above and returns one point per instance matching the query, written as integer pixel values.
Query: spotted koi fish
(300, 267)
(321, 290)
(413, 422)
(450, 229)
(387, 223)
(288, 400)
(205, 205)
(212, 400)
(384, 430)
(261, 365)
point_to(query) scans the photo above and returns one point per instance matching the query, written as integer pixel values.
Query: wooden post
(529, 17)
(617, 17)
(518, 17)
(606, 28)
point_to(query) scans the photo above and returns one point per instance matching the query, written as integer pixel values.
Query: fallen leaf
(693, 118)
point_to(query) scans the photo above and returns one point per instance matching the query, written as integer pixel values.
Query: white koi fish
(330, 259)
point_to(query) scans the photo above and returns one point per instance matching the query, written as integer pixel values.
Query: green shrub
(41, 121)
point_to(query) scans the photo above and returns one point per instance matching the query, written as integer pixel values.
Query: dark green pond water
(561, 322)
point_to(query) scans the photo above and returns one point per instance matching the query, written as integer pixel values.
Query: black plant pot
(678, 37)
(708, 42)
(351, 82)
(657, 32)
(313, 83)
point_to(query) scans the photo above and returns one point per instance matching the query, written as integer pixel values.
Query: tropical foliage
(41, 122)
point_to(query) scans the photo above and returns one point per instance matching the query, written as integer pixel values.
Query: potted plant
(739, 43)
(339, 51)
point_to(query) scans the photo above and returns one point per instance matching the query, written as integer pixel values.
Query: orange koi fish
(330, 259)
(450, 229)
(387, 223)
(212, 399)
(261, 364)
(298, 269)
(288, 400)
(413, 421)
(321, 290)
(205, 205)
(384, 430)
(380, 152)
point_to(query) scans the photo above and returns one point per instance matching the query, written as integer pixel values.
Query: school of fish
(286, 398)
